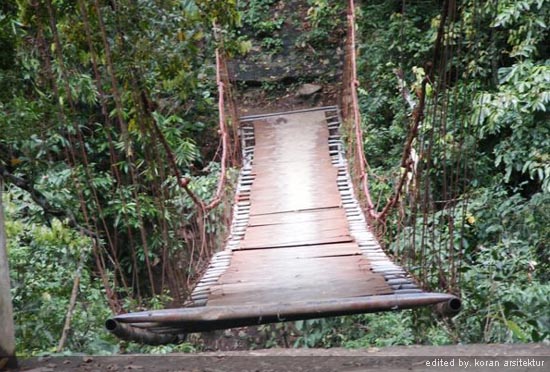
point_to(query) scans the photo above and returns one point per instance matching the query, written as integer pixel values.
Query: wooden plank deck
(297, 245)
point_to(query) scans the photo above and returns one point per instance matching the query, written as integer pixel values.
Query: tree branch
(42, 202)
(72, 303)
(403, 87)
(417, 117)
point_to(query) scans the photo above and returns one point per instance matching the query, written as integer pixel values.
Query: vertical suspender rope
(223, 134)
(354, 83)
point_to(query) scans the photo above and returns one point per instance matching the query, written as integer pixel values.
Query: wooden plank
(293, 217)
(272, 255)
(223, 295)
(293, 205)
(317, 232)
(365, 285)
(265, 156)
(300, 224)
(293, 264)
(307, 272)
(294, 241)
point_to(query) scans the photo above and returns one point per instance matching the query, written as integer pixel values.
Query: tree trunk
(72, 303)
(7, 329)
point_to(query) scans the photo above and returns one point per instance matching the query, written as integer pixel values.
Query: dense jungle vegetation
(103, 104)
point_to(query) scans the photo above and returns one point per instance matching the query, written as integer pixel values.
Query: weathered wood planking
(292, 166)
(297, 245)
(294, 217)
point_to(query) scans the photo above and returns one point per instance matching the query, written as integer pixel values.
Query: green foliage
(315, 332)
(256, 12)
(510, 265)
(81, 108)
(325, 24)
(388, 41)
(263, 24)
(504, 271)
(358, 331)
(273, 45)
(387, 329)
(43, 262)
(501, 98)
(268, 28)
(526, 23)
(519, 110)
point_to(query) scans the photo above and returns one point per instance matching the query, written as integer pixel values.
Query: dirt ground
(516, 357)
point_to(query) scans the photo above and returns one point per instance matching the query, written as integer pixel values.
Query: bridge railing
(351, 117)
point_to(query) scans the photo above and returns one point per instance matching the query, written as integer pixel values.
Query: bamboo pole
(164, 326)
(7, 327)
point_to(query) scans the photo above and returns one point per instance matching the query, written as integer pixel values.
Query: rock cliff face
(288, 45)
(296, 55)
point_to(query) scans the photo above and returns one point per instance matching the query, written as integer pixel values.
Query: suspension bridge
(305, 233)
(300, 246)
(301, 243)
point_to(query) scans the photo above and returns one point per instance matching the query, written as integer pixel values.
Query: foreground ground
(518, 357)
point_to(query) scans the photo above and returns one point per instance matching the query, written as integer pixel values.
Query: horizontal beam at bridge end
(208, 318)
(271, 114)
